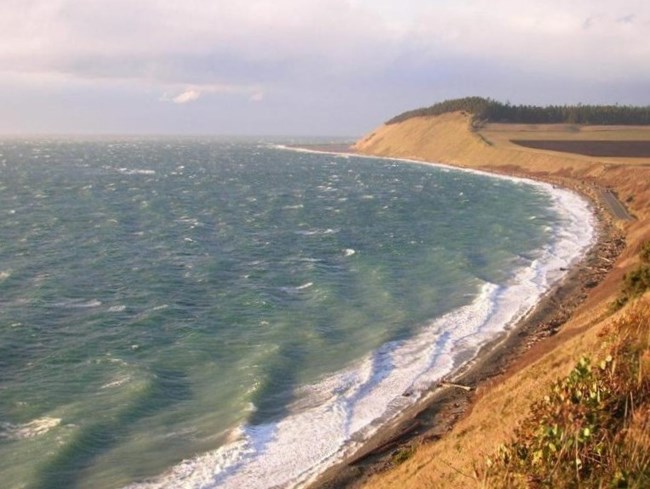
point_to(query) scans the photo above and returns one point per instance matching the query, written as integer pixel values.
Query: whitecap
(136, 171)
(193, 222)
(118, 308)
(78, 304)
(293, 290)
(34, 428)
(117, 382)
(317, 232)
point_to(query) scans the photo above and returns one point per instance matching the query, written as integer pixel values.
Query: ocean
(190, 312)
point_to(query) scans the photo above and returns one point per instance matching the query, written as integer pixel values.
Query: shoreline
(453, 397)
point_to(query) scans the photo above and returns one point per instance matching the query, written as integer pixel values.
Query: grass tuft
(637, 281)
(645, 252)
(402, 454)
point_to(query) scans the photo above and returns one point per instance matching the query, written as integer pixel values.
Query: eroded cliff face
(446, 139)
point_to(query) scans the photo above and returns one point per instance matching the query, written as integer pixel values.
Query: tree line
(489, 110)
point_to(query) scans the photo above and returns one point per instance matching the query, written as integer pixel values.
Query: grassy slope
(503, 403)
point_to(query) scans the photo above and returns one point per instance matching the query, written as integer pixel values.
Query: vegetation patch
(402, 454)
(592, 430)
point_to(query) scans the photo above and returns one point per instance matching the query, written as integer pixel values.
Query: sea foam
(32, 429)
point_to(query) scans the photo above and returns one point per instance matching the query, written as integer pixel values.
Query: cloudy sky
(304, 67)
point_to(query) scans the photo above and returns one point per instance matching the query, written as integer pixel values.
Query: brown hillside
(502, 402)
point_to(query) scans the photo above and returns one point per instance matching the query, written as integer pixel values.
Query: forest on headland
(489, 110)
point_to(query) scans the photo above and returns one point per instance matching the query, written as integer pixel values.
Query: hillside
(499, 405)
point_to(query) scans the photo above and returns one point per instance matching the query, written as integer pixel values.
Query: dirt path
(615, 206)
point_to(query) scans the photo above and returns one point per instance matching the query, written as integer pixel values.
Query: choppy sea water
(196, 312)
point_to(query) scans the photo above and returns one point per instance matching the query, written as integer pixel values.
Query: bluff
(499, 405)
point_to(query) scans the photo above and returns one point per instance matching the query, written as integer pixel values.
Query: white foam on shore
(334, 417)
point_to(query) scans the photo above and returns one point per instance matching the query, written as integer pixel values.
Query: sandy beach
(570, 311)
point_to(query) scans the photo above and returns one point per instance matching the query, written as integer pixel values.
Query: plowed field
(629, 149)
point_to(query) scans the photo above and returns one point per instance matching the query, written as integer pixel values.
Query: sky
(304, 67)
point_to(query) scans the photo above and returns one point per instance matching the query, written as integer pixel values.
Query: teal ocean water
(196, 312)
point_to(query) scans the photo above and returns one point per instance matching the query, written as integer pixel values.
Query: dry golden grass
(499, 406)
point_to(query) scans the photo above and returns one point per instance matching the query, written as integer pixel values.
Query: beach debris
(458, 386)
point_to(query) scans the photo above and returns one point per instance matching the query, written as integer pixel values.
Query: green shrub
(637, 281)
(402, 454)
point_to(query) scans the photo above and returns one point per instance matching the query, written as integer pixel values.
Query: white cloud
(325, 53)
(167, 39)
(184, 95)
(232, 42)
(581, 38)
(257, 97)
(189, 95)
